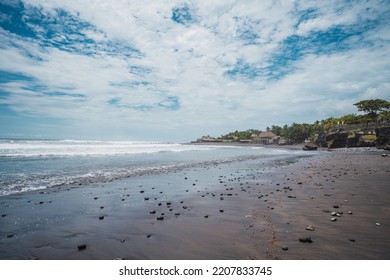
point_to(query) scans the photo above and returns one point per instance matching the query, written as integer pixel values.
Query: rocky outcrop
(337, 140)
(310, 147)
(383, 138)
(346, 139)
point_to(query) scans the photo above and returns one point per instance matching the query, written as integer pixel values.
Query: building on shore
(266, 138)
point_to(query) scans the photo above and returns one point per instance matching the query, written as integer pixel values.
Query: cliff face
(355, 138)
(383, 138)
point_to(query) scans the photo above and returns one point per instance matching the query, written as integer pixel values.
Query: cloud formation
(174, 70)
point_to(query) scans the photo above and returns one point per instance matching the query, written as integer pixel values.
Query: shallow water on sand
(27, 165)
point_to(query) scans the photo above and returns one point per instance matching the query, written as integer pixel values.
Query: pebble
(378, 224)
(333, 213)
(82, 247)
(160, 218)
(221, 210)
(333, 219)
(148, 236)
(10, 235)
(3, 215)
(350, 212)
(310, 228)
(284, 248)
(352, 239)
(336, 206)
(305, 239)
(101, 217)
(153, 212)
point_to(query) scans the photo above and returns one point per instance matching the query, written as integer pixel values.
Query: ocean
(28, 165)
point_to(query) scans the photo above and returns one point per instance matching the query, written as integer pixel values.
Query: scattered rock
(161, 218)
(350, 212)
(384, 155)
(3, 215)
(305, 239)
(378, 224)
(101, 218)
(310, 147)
(82, 247)
(10, 235)
(336, 206)
(284, 248)
(221, 210)
(310, 228)
(146, 198)
(206, 216)
(153, 212)
(333, 213)
(148, 236)
(352, 239)
(333, 219)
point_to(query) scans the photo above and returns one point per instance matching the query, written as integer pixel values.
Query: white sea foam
(47, 148)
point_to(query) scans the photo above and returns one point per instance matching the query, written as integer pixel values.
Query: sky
(177, 70)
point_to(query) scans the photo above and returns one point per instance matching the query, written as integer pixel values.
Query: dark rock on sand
(161, 218)
(82, 247)
(310, 147)
(10, 235)
(101, 218)
(284, 248)
(305, 239)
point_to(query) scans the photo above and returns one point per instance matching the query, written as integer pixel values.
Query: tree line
(376, 110)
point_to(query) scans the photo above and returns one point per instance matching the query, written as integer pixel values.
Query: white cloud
(139, 57)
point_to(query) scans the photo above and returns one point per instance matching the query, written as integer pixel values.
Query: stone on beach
(305, 239)
(310, 228)
(82, 247)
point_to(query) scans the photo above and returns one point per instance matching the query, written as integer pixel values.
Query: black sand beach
(238, 210)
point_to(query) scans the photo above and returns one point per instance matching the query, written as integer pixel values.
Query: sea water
(27, 165)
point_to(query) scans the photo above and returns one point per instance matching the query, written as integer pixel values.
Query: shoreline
(241, 210)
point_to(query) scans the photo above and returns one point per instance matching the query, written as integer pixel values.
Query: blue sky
(177, 70)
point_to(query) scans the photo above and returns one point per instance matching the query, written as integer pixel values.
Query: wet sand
(240, 210)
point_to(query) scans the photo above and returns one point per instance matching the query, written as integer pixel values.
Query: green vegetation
(377, 111)
(242, 135)
(373, 107)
